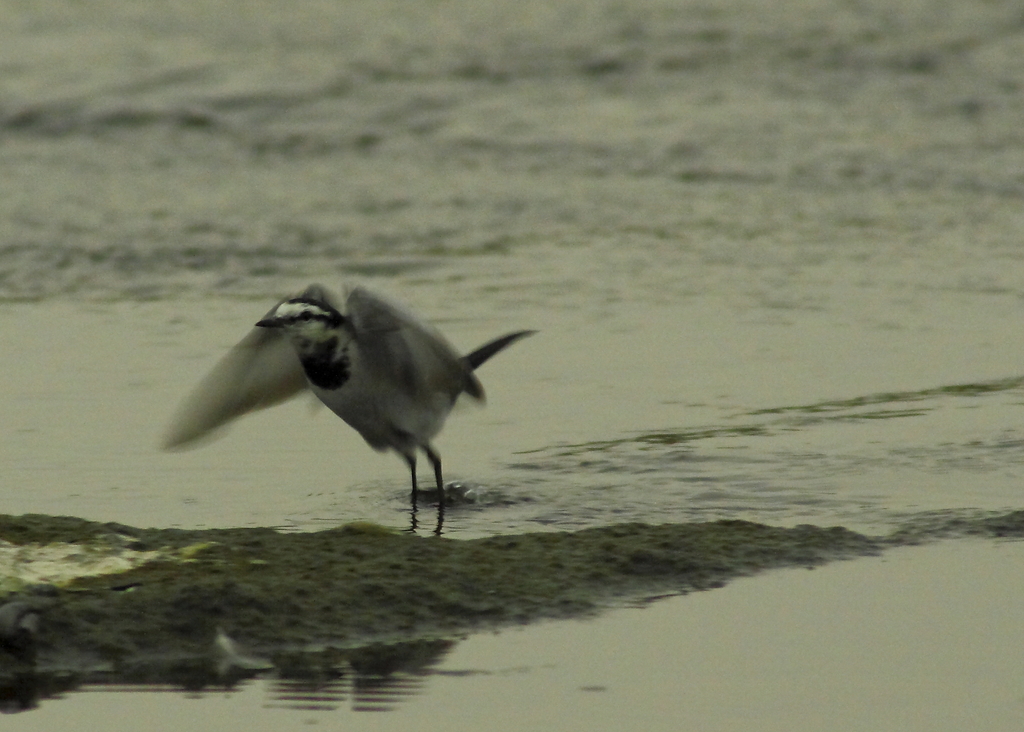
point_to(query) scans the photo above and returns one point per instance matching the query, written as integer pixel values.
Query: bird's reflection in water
(457, 495)
(374, 678)
(378, 678)
(414, 523)
(367, 694)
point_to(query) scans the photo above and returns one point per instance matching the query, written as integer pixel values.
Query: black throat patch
(326, 367)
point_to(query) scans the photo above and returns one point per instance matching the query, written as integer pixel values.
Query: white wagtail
(391, 377)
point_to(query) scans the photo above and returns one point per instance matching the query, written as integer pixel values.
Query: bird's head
(308, 321)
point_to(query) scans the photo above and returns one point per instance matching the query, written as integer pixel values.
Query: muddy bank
(357, 584)
(364, 597)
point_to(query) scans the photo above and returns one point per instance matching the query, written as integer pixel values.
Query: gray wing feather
(413, 354)
(260, 371)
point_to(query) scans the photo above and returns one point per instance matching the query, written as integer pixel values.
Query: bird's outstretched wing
(260, 371)
(409, 353)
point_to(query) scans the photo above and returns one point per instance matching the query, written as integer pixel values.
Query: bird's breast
(326, 368)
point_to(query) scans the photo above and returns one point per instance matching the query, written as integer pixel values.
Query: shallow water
(773, 253)
(566, 441)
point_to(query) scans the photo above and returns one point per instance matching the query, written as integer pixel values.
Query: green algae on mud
(285, 593)
(363, 593)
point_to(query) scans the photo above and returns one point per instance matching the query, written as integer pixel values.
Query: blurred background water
(772, 251)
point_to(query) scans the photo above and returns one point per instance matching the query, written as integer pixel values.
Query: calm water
(773, 252)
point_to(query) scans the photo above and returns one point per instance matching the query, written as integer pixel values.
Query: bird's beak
(269, 323)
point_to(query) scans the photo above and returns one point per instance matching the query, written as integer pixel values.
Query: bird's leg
(435, 460)
(410, 459)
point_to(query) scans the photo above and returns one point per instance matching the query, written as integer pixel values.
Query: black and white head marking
(305, 316)
(321, 336)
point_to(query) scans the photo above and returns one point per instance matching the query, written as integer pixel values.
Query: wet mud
(290, 594)
(365, 599)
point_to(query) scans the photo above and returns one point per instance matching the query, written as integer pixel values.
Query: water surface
(773, 254)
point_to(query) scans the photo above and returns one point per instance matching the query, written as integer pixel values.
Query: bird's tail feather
(484, 352)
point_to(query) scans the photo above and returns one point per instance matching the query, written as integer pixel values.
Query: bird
(392, 377)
